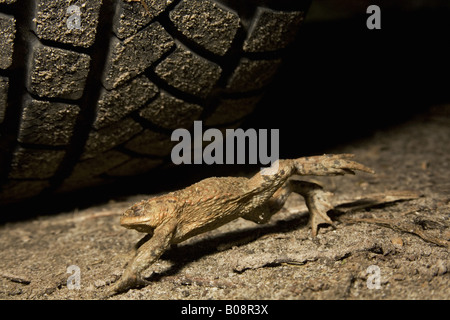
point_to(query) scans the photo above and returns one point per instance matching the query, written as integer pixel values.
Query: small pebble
(99, 283)
(397, 241)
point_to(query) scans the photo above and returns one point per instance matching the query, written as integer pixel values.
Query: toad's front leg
(147, 253)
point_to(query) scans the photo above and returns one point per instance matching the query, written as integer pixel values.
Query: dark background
(343, 81)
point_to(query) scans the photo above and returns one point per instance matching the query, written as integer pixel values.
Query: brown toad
(213, 202)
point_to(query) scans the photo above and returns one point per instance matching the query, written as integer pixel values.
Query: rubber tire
(91, 93)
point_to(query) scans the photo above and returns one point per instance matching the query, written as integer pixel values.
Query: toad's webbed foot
(127, 282)
(317, 200)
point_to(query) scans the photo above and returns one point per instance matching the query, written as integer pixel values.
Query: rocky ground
(392, 250)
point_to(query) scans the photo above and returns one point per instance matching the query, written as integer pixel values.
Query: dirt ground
(402, 244)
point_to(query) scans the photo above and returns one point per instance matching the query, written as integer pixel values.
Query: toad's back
(210, 203)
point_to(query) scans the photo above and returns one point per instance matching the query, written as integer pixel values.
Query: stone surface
(252, 74)
(130, 57)
(7, 35)
(57, 73)
(110, 137)
(87, 173)
(272, 30)
(135, 167)
(47, 123)
(35, 164)
(113, 105)
(206, 23)
(13, 188)
(72, 22)
(131, 16)
(231, 110)
(188, 72)
(169, 112)
(150, 143)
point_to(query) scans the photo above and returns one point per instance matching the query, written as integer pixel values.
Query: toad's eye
(136, 210)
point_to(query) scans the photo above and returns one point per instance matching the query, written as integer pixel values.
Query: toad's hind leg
(263, 213)
(316, 199)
